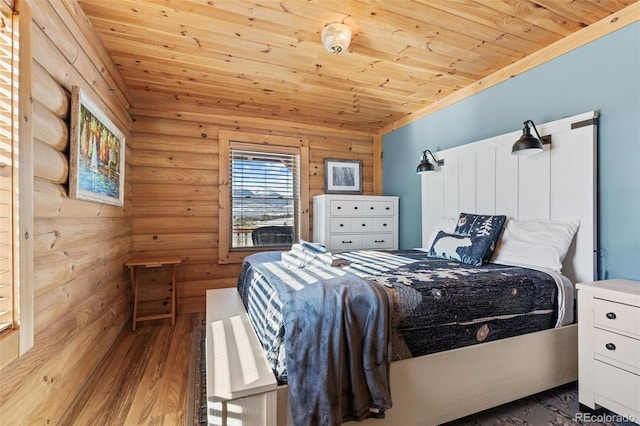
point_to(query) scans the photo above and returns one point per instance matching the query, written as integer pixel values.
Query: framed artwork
(96, 165)
(342, 176)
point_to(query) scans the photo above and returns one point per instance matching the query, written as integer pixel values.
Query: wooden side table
(154, 262)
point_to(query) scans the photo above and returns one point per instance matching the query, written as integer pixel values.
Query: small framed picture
(96, 166)
(342, 176)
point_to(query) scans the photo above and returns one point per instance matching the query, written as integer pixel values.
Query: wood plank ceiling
(265, 58)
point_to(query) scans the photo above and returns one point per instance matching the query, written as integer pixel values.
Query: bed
(433, 388)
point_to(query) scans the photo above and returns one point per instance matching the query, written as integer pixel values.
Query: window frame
(16, 342)
(279, 144)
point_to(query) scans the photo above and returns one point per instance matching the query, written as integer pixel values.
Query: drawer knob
(364, 224)
(611, 315)
(355, 208)
(339, 208)
(384, 224)
(610, 346)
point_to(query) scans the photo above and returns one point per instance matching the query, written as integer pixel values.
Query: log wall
(82, 294)
(174, 182)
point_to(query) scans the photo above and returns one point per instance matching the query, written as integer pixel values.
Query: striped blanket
(331, 328)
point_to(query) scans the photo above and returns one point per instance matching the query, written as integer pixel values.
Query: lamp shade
(426, 165)
(527, 144)
(336, 37)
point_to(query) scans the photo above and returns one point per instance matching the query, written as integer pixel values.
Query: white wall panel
(506, 181)
(486, 181)
(467, 182)
(433, 202)
(451, 190)
(533, 186)
(559, 183)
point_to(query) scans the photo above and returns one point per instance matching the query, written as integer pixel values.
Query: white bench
(241, 387)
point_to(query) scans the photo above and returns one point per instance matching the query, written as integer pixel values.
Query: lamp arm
(435, 160)
(534, 128)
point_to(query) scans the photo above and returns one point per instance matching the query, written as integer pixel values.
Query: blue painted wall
(603, 75)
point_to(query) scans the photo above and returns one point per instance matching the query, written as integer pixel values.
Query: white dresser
(609, 346)
(355, 222)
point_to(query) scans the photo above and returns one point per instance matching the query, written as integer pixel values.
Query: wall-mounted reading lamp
(426, 165)
(527, 144)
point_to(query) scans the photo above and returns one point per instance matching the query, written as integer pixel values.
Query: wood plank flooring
(144, 379)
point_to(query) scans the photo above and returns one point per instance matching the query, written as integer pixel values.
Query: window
(8, 174)
(264, 202)
(265, 195)
(16, 187)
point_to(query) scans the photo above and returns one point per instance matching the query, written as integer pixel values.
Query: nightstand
(609, 346)
(154, 262)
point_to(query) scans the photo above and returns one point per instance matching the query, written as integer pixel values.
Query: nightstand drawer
(617, 385)
(616, 316)
(621, 350)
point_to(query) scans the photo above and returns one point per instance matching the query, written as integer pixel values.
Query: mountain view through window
(265, 195)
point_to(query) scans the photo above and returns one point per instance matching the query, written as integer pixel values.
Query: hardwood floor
(144, 378)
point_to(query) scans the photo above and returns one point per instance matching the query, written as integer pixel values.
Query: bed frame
(481, 177)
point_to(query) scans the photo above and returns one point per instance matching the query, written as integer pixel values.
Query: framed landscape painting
(342, 176)
(96, 165)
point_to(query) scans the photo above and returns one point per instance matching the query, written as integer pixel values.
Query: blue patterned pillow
(482, 229)
(460, 248)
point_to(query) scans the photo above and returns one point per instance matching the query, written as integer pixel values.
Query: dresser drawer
(383, 224)
(362, 224)
(617, 385)
(346, 208)
(616, 316)
(620, 350)
(340, 224)
(378, 241)
(346, 242)
(377, 208)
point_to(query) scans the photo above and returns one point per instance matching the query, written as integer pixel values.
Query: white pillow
(542, 243)
(445, 224)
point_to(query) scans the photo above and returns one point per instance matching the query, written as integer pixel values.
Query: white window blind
(8, 171)
(265, 195)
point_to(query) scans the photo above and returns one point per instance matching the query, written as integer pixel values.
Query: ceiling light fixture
(336, 37)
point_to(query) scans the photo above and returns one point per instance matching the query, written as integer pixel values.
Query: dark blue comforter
(326, 331)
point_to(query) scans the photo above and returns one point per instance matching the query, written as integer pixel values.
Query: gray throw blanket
(337, 348)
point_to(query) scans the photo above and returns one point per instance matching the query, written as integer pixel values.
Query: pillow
(542, 243)
(481, 227)
(460, 248)
(446, 224)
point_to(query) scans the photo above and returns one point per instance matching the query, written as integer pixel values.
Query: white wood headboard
(561, 183)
